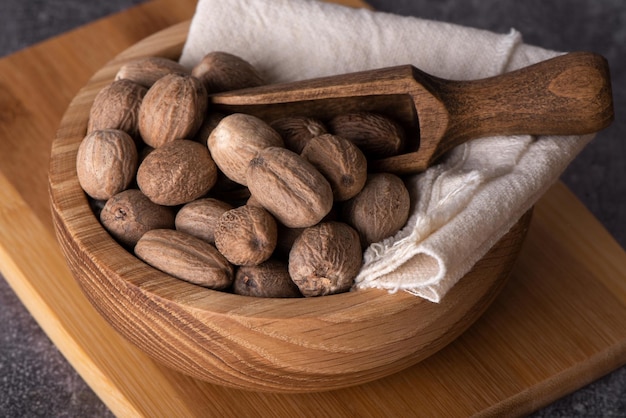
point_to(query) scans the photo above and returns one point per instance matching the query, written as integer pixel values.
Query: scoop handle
(566, 95)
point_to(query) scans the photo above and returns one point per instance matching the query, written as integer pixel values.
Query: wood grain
(556, 325)
(566, 95)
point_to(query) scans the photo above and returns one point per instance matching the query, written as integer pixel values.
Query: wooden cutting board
(557, 325)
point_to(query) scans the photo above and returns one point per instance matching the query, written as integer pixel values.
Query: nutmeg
(173, 108)
(269, 279)
(340, 161)
(246, 235)
(290, 187)
(146, 71)
(376, 135)
(177, 173)
(117, 106)
(106, 163)
(296, 131)
(185, 257)
(325, 259)
(220, 71)
(200, 217)
(380, 209)
(130, 214)
(252, 201)
(236, 140)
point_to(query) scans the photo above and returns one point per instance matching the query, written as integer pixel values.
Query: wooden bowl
(279, 345)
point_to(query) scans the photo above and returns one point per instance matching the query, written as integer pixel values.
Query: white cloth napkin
(465, 204)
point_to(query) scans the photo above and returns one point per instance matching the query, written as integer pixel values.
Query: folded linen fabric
(465, 203)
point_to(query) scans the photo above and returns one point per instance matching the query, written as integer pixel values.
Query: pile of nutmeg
(280, 208)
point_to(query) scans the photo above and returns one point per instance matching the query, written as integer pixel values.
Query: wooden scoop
(566, 95)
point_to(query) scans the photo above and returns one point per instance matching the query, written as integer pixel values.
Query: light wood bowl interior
(276, 345)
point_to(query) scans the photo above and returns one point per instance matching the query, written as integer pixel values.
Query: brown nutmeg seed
(177, 173)
(185, 257)
(376, 135)
(106, 163)
(173, 108)
(380, 209)
(269, 279)
(246, 235)
(200, 217)
(117, 106)
(146, 71)
(340, 161)
(130, 214)
(325, 259)
(236, 140)
(297, 131)
(220, 71)
(290, 187)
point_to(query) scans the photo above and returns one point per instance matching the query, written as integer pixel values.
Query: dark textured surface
(35, 380)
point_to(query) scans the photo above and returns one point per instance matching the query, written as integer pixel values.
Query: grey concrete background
(35, 379)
